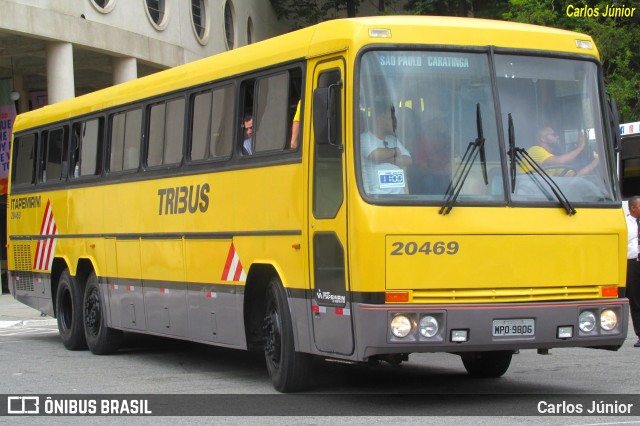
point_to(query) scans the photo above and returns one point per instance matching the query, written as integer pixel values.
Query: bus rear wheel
(102, 340)
(289, 370)
(69, 312)
(487, 364)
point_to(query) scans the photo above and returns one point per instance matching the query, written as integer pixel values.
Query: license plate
(514, 327)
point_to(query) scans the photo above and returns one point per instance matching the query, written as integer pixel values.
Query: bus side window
(126, 129)
(86, 148)
(166, 127)
(24, 160)
(212, 124)
(294, 113)
(55, 154)
(271, 118)
(271, 101)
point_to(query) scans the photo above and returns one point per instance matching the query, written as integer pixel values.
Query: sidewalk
(14, 313)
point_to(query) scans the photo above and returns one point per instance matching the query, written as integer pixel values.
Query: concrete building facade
(58, 49)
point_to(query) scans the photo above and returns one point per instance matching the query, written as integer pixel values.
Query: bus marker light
(459, 336)
(295, 246)
(319, 309)
(609, 291)
(379, 33)
(565, 332)
(396, 297)
(584, 44)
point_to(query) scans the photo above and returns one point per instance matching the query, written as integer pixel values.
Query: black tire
(102, 340)
(487, 364)
(69, 312)
(289, 370)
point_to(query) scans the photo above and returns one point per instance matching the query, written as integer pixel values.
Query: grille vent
(22, 262)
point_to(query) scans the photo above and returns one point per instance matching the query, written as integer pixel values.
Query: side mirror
(614, 122)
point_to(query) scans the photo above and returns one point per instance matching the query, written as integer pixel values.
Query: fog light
(428, 326)
(565, 332)
(587, 321)
(400, 326)
(608, 319)
(459, 335)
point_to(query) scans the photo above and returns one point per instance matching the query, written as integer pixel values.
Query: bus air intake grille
(22, 263)
(22, 257)
(516, 294)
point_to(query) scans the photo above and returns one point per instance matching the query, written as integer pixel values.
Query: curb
(27, 323)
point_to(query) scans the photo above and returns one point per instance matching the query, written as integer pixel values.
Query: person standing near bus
(633, 265)
(383, 156)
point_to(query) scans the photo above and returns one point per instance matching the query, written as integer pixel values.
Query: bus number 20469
(414, 248)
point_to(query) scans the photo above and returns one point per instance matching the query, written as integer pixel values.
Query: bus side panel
(127, 299)
(164, 289)
(111, 272)
(214, 310)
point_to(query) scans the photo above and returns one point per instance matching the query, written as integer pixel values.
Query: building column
(18, 86)
(60, 81)
(124, 69)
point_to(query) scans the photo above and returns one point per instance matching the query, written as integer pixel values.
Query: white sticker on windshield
(391, 178)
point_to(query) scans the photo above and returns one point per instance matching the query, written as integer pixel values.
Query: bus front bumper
(490, 327)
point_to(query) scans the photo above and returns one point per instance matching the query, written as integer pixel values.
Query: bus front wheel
(487, 364)
(69, 312)
(102, 340)
(289, 370)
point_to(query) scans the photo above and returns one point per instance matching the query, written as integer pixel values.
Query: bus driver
(547, 142)
(383, 156)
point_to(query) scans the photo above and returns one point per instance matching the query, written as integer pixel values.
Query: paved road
(35, 362)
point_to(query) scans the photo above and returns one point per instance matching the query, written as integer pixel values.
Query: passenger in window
(384, 157)
(295, 128)
(547, 143)
(247, 143)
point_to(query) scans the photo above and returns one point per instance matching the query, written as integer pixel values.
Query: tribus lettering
(183, 199)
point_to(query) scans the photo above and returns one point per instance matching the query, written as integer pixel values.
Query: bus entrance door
(330, 301)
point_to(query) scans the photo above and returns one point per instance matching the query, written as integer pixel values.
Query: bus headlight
(428, 326)
(587, 321)
(401, 326)
(608, 320)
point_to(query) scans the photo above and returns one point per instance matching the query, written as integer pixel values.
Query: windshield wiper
(480, 142)
(518, 156)
(457, 182)
(512, 154)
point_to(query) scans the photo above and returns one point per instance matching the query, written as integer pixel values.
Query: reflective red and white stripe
(233, 270)
(46, 247)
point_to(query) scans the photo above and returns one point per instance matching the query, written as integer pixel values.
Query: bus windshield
(430, 129)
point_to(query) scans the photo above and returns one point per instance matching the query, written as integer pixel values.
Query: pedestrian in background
(633, 265)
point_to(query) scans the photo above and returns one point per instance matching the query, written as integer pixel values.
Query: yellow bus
(352, 190)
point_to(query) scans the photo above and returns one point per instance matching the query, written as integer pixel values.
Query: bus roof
(627, 129)
(323, 38)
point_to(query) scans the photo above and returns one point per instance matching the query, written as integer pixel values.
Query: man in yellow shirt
(542, 153)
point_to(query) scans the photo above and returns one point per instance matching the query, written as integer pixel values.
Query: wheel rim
(92, 312)
(272, 337)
